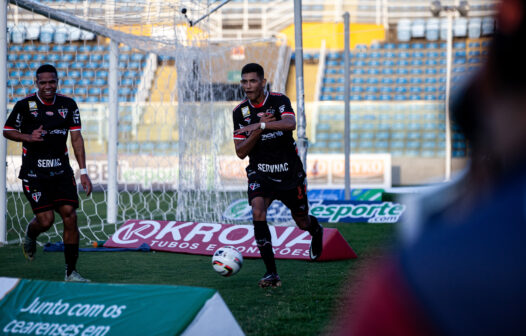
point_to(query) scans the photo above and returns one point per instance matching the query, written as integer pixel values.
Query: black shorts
(295, 199)
(50, 193)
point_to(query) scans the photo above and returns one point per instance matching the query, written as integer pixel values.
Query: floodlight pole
(449, 14)
(346, 100)
(300, 90)
(450, 11)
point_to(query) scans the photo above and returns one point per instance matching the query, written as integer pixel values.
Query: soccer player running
(41, 122)
(263, 125)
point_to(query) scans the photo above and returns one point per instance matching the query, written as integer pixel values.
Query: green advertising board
(34, 307)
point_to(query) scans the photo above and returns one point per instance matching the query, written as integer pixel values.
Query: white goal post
(155, 157)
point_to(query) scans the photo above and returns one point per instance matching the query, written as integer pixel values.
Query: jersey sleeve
(14, 121)
(74, 122)
(238, 123)
(285, 108)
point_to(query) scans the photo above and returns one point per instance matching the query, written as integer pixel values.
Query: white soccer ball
(227, 260)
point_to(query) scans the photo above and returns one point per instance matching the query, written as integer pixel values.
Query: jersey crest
(63, 112)
(36, 196)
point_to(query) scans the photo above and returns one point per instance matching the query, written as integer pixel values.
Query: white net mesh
(176, 93)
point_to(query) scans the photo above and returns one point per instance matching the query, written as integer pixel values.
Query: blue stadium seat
(416, 80)
(22, 91)
(85, 48)
(92, 99)
(402, 71)
(13, 82)
(66, 91)
(84, 82)
(88, 74)
(388, 71)
(80, 91)
(69, 82)
(24, 57)
(74, 74)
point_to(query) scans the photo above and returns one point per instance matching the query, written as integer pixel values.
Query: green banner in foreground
(34, 307)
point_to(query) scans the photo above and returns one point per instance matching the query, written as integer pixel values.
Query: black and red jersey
(274, 157)
(49, 157)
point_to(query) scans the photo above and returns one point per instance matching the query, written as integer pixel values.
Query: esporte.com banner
(324, 211)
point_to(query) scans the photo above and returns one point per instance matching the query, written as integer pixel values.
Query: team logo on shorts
(36, 195)
(254, 186)
(63, 113)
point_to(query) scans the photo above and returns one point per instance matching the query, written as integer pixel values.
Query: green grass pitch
(304, 305)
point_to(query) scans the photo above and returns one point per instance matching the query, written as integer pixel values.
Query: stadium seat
(69, 81)
(474, 28)
(488, 26)
(61, 35)
(403, 30)
(460, 27)
(66, 57)
(86, 48)
(432, 29)
(51, 57)
(18, 34)
(418, 28)
(74, 74)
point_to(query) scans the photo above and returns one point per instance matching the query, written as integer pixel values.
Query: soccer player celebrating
(41, 122)
(263, 125)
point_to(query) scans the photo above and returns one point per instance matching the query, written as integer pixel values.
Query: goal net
(177, 86)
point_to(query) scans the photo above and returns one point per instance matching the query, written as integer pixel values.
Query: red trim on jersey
(9, 128)
(259, 105)
(276, 94)
(235, 108)
(239, 137)
(75, 128)
(48, 104)
(288, 113)
(24, 151)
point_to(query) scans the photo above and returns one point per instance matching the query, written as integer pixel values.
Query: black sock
(314, 225)
(31, 232)
(264, 242)
(71, 253)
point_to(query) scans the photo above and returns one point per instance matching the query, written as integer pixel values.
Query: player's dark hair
(253, 67)
(46, 68)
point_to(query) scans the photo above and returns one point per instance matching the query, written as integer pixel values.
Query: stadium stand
(81, 65)
(402, 129)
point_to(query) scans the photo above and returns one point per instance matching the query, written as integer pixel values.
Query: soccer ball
(227, 260)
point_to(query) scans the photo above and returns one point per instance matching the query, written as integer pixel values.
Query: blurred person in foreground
(42, 122)
(464, 272)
